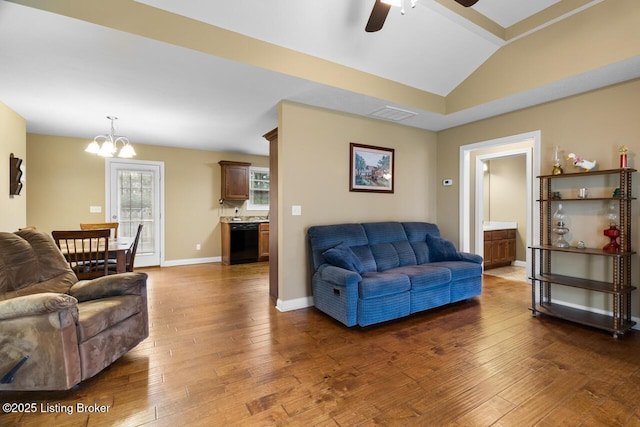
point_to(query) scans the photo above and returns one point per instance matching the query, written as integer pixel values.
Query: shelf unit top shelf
(586, 199)
(590, 173)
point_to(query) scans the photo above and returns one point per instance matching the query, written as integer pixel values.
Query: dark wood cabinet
(235, 180)
(263, 242)
(499, 248)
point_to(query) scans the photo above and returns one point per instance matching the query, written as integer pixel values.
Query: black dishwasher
(244, 242)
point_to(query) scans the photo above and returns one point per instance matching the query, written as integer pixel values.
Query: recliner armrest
(338, 276)
(109, 286)
(30, 305)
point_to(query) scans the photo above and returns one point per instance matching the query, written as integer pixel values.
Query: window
(258, 189)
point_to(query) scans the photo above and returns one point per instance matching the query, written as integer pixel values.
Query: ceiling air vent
(392, 113)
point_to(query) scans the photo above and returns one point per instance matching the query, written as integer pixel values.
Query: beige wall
(506, 181)
(13, 209)
(592, 124)
(65, 181)
(314, 173)
(604, 34)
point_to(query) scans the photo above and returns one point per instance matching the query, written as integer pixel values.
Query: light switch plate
(296, 210)
(95, 209)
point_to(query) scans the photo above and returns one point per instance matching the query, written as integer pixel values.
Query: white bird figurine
(578, 161)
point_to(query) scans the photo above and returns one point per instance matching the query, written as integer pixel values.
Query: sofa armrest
(475, 258)
(338, 276)
(35, 304)
(133, 283)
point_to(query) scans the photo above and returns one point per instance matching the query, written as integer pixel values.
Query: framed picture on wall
(371, 168)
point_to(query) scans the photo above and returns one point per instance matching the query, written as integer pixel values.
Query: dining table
(118, 247)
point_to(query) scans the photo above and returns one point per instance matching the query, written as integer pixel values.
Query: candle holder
(560, 228)
(557, 167)
(613, 232)
(623, 156)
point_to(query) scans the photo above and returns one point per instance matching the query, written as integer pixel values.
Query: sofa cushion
(375, 285)
(365, 255)
(442, 249)
(425, 276)
(386, 256)
(342, 256)
(389, 244)
(384, 232)
(461, 269)
(417, 235)
(323, 237)
(417, 231)
(421, 251)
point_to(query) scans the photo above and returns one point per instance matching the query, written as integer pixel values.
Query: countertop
(498, 225)
(243, 219)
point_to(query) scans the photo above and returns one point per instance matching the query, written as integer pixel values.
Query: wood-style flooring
(220, 354)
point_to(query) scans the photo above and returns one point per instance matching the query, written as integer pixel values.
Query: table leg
(120, 262)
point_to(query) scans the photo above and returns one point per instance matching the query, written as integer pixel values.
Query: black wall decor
(15, 175)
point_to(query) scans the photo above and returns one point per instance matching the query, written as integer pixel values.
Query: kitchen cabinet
(544, 266)
(263, 242)
(499, 248)
(234, 180)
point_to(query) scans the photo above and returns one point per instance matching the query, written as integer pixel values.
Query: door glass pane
(135, 200)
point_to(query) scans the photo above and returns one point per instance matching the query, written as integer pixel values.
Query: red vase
(612, 233)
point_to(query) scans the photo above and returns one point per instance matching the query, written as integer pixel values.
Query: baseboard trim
(190, 261)
(294, 304)
(520, 263)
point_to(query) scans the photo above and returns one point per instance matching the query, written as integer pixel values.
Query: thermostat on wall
(447, 182)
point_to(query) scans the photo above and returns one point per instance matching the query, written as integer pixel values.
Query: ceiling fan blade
(378, 15)
(467, 3)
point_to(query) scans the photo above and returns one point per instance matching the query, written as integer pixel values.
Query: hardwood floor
(219, 353)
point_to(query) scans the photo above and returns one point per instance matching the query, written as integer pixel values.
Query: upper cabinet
(235, 180)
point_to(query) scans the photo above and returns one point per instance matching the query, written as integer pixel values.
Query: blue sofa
(373, 272)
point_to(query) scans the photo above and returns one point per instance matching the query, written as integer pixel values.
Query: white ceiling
(64, 76)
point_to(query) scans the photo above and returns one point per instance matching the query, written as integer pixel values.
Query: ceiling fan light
(396, 3)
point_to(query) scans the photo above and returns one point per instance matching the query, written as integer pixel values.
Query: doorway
(134, 195)
(472, 158)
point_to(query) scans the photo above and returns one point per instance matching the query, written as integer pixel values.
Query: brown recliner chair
(56, 331)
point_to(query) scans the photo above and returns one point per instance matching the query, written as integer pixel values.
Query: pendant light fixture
(107, 145)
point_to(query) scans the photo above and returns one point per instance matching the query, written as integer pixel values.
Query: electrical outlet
(198, 247)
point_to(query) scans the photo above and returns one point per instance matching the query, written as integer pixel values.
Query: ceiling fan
(381, 10)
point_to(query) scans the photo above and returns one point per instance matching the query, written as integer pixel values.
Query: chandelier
(107, 145)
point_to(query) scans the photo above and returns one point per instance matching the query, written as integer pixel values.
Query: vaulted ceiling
(209, 74)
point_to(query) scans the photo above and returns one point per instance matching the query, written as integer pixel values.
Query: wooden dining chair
(131, 254)
(101, 225)
(86, 251)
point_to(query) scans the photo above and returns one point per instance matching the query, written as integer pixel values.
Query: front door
(134, 197)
